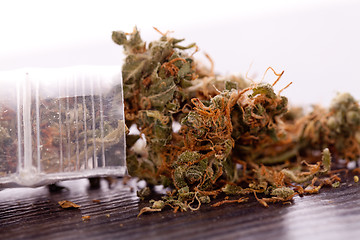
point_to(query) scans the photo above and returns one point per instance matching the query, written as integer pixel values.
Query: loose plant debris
(86, 218)
(356, 179)
(237, 137)
(67, 204)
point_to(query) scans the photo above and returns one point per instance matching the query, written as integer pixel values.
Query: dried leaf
(148, 209)
(67, 204)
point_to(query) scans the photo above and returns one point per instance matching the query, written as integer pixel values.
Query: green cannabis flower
(235, 138)
(337, 128)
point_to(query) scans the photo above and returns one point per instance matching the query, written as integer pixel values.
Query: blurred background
(316, 43)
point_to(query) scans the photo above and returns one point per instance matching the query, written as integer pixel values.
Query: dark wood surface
(35, 214)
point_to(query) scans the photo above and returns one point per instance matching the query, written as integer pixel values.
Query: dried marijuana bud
(336, 128)
(236, 138)
(154, 79)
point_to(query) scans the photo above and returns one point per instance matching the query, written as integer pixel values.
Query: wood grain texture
(35, 214)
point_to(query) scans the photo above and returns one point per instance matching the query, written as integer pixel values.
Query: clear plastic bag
(61, 124)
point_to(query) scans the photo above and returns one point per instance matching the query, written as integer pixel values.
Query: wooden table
(35, 214)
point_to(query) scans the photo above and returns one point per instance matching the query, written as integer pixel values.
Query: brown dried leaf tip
(68, 204)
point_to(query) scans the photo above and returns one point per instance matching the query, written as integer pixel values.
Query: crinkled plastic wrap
(60, 124)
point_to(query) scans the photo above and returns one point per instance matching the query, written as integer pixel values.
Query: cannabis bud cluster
(236, 137)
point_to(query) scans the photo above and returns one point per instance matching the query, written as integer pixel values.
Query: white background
(316, 43)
